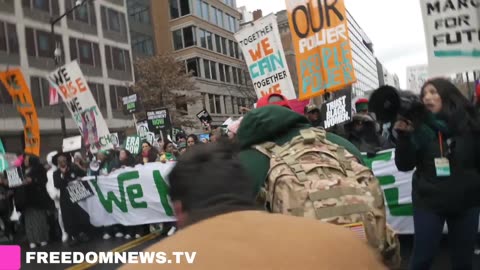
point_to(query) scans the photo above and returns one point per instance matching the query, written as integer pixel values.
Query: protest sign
(79, 191)
(338, 110)
(452, 33)
(73, 88)
(204, 117)
(204, 138)
(2, 149)
(158, 120)
(22, 98)
(130, 104)
(72, 144)
(142, 129)
(14, 177)
(262, 47)
(322, 46)
(151, 138)
(133, 144)
(131, 196)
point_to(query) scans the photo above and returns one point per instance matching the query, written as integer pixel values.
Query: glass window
(113, 98)
(113, 20)
(42, 5)
(205, 11)
(227, 74)
(240, 76)
(36, 91)
(213, 68)
(234, 103)
(177, 40)
(213, 14)
(211, 100)
(209, 37)
(221, 69)
(118, 59)
(10, 38)
(96, 53)
(193, 67)
(234, 75)
(206, 68)
(218, 43)
(198, 8)
(203, 40)
(44, 43)
(218, 104)
(81, 13)
(174, 10)
(189, 36)
(5, 98)
(224, 46)
(232, 48)
(185, 7)
(237, 52)
(86, 53)
(108, 57)
(220, 18)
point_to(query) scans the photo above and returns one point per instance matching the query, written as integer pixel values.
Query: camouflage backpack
(313, 178)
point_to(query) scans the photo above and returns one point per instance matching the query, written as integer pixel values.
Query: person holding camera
(444, 150)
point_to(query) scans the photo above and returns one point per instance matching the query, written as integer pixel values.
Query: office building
(364, 61)
(95, 34)
(201, 34)
(385, 77)
(416, 77)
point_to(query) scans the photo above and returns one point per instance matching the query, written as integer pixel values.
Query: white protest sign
(14, 177)
(131, 196)
(72, 143)
(78, 191)
(73, 88)
(265, 58)
(452, 30)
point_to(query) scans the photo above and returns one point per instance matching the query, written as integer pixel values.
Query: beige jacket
(250, 240)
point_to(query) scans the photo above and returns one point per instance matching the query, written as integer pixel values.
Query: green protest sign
(133, 145)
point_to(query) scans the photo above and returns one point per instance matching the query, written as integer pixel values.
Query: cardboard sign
(338, 110)
(151, 138)
(130, 104)
(16, 86)
(133, 145)
(204, 116)
(158, 120)
(265, 58)
(142, 129)
(73, 88)
(79, 191)
(72, 144)
(452, 33)
(322, 46)
(14, 177)
(115, 140)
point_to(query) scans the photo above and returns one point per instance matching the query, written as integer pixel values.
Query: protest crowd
(277, 188)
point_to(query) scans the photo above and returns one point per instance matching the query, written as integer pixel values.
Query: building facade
(95, 34)
(201, 34)
(416, 77)
(364, 61)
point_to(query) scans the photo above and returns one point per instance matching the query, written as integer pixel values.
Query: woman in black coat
(445, 150)
(37, 202)
(75, 219)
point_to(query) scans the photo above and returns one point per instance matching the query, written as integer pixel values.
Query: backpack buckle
(308, 136)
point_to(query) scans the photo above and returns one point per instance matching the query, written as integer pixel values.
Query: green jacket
(274, 124)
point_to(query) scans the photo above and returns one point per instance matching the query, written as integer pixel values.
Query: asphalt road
(97, 244)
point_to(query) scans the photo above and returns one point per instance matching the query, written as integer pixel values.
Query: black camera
(390, 105)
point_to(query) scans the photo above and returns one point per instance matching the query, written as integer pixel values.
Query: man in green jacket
(278, 124)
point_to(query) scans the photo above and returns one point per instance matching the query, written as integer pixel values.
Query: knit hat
(361, 105)
(311, 108)
(273, 99)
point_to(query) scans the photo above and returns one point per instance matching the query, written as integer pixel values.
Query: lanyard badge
(442, 164)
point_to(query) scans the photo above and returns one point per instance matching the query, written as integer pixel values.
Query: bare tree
(162, 82)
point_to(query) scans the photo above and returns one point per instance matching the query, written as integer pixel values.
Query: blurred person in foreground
(312, 112)
(219, 221)
(444, 150)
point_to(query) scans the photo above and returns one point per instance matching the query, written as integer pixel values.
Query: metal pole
(52, 32)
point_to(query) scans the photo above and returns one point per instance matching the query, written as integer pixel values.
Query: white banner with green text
(131, 196)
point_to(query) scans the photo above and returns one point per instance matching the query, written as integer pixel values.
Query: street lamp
(58, 53)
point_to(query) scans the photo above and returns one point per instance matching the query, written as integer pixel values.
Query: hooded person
(54, 193)
(361, 106)
(363, 132)
(277, 124)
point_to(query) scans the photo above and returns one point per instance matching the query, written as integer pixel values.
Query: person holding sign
(75, 219)
(37, 202)
(445, 150)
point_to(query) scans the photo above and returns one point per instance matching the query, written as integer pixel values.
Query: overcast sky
(395, 28)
